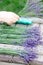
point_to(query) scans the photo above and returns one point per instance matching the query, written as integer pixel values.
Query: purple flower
(33, 37)
(29, 54)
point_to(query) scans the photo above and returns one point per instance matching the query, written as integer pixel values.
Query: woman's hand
(8, 17)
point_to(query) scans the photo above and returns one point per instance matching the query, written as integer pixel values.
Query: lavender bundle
(27, 49)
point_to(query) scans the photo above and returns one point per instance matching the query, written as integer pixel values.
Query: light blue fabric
(24, 21)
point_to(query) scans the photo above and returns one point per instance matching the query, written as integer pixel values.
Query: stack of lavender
(23, 51)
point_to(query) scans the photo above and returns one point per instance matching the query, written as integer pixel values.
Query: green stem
(11, 49)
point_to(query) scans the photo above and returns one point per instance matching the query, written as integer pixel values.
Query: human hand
(8, 17)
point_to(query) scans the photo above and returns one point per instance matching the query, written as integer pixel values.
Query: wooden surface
(5, 63)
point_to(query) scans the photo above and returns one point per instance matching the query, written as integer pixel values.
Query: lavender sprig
(33, 37)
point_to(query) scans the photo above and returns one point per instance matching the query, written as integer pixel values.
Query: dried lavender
(27, 53)
(33, 37)
(24, 50)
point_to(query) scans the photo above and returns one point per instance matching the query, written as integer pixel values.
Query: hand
(8, 17)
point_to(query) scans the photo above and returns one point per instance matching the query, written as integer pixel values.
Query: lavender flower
(25, 49)
(33, 37)
(29, 54)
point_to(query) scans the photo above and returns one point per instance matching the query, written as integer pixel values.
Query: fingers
(12, 18)
(8, 17)
(10, 22)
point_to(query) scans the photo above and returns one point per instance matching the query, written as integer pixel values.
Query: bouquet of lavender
(19, 44)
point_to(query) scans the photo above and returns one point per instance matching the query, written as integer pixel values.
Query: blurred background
(12, 5)
(21, 7)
